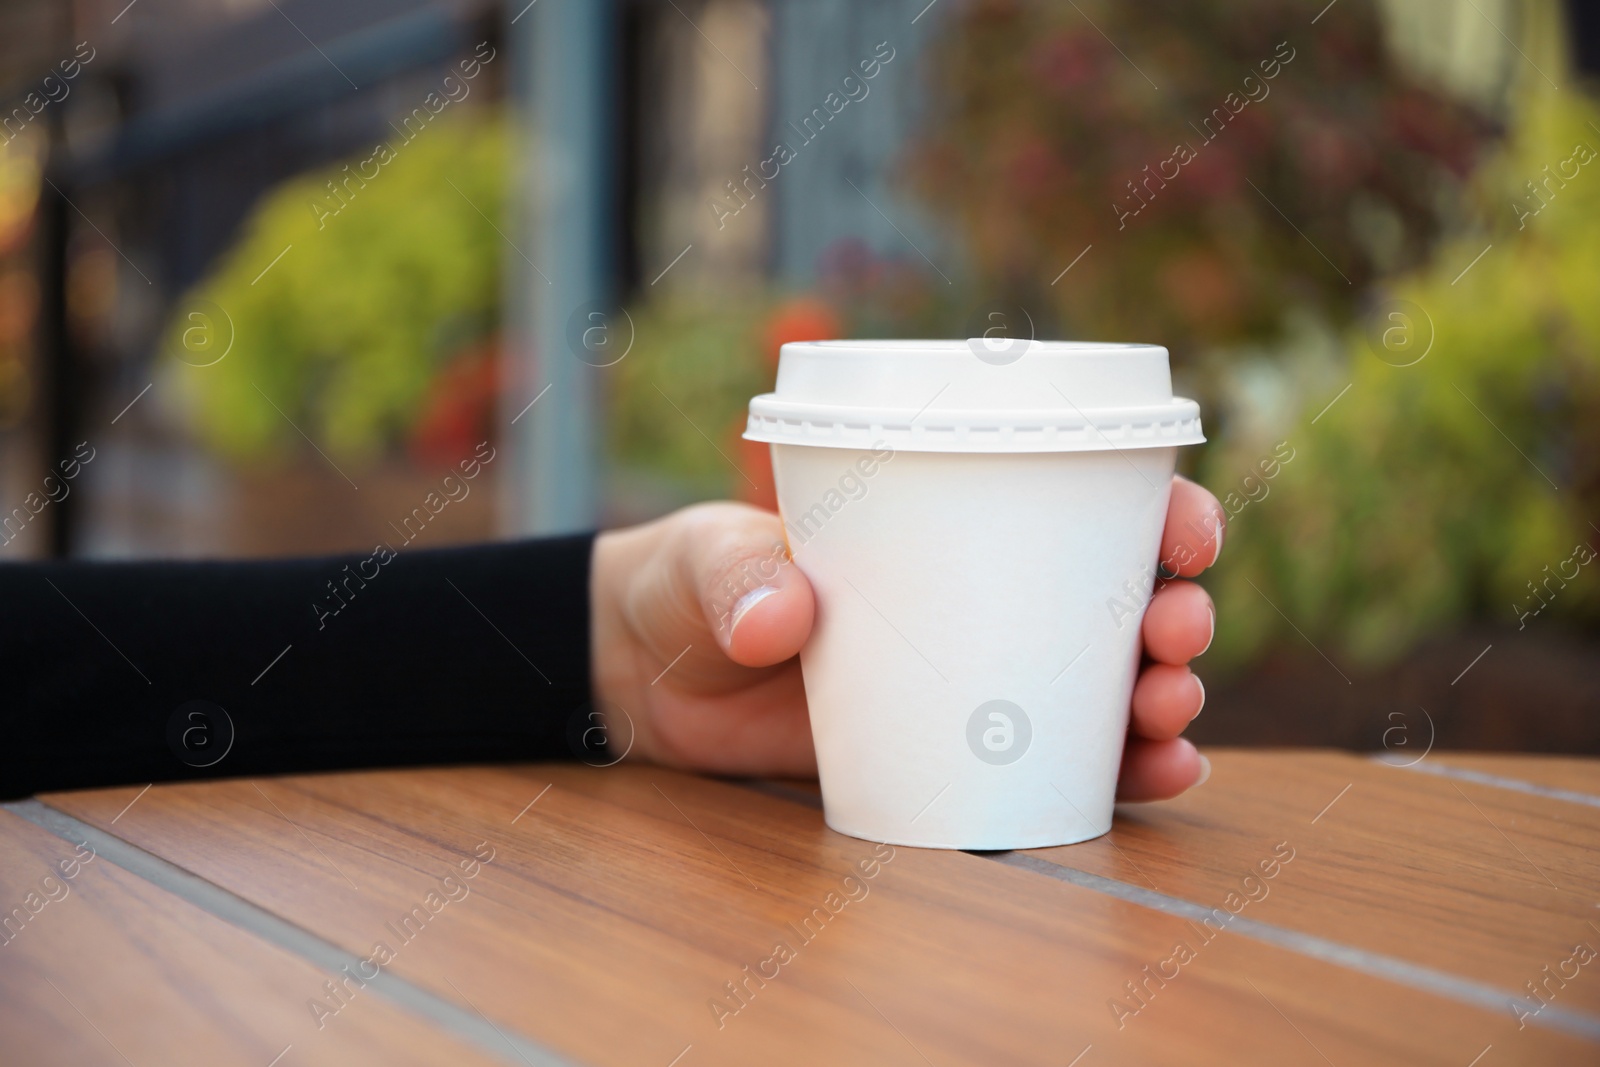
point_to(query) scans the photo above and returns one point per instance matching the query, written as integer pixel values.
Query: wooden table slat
(1485, 883)
(107, 968)
(1570, 773)
(616, 908)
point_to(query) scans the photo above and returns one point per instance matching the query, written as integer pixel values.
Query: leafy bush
(348, 331)
(1232, 160)
(679, 400)
(1462, 485)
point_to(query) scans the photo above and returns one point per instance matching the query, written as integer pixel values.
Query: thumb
(757, 604)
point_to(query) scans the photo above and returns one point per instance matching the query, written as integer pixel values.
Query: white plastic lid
(981, 395)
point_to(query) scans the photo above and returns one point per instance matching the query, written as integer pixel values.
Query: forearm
(448, 656)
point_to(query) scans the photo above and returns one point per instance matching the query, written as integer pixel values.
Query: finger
(761, 729)
(1192, 540)
(1159, 770)
(1179, 623)
(756, 602)
(1165, 700)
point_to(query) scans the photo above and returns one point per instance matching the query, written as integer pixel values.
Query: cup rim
(777, 420)
(945, 344)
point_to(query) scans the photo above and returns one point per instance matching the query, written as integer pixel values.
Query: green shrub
(1437, 492)
(346, 332)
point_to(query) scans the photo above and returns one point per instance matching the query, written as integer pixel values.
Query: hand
(709, 676)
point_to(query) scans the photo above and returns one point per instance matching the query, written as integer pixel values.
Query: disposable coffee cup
(981, 522)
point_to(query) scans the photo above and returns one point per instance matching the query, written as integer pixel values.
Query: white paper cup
(981, 526)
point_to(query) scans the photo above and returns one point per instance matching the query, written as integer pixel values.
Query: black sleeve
(127, 673)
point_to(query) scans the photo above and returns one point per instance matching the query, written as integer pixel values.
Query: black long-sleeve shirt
(127, 673)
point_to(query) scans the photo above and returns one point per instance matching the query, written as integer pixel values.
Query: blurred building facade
(191, 110)
(705, 167)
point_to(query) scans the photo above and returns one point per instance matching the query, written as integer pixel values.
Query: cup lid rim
(779, 420)
(945, 344)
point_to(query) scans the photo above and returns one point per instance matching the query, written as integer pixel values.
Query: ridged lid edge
(778, 421)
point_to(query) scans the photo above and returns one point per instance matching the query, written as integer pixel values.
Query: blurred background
(270, 269)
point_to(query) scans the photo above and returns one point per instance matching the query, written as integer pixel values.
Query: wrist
(618, 687)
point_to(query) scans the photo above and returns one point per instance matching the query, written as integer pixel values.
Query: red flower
(1214, 172)
(801, 319)
(458, 412)
(1067, 61)
(804, 318)
(1035, 169)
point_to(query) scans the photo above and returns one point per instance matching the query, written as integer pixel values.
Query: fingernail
(746, 602)
(1202, 687)
(1205, 771)
(1213, 636)
(1218, 555)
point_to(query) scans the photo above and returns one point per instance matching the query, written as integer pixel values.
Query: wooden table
(1300, 908)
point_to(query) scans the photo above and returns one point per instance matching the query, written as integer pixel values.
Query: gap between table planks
(608, 921)
(1487, 883)
(1578, 779)
(113, 969)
